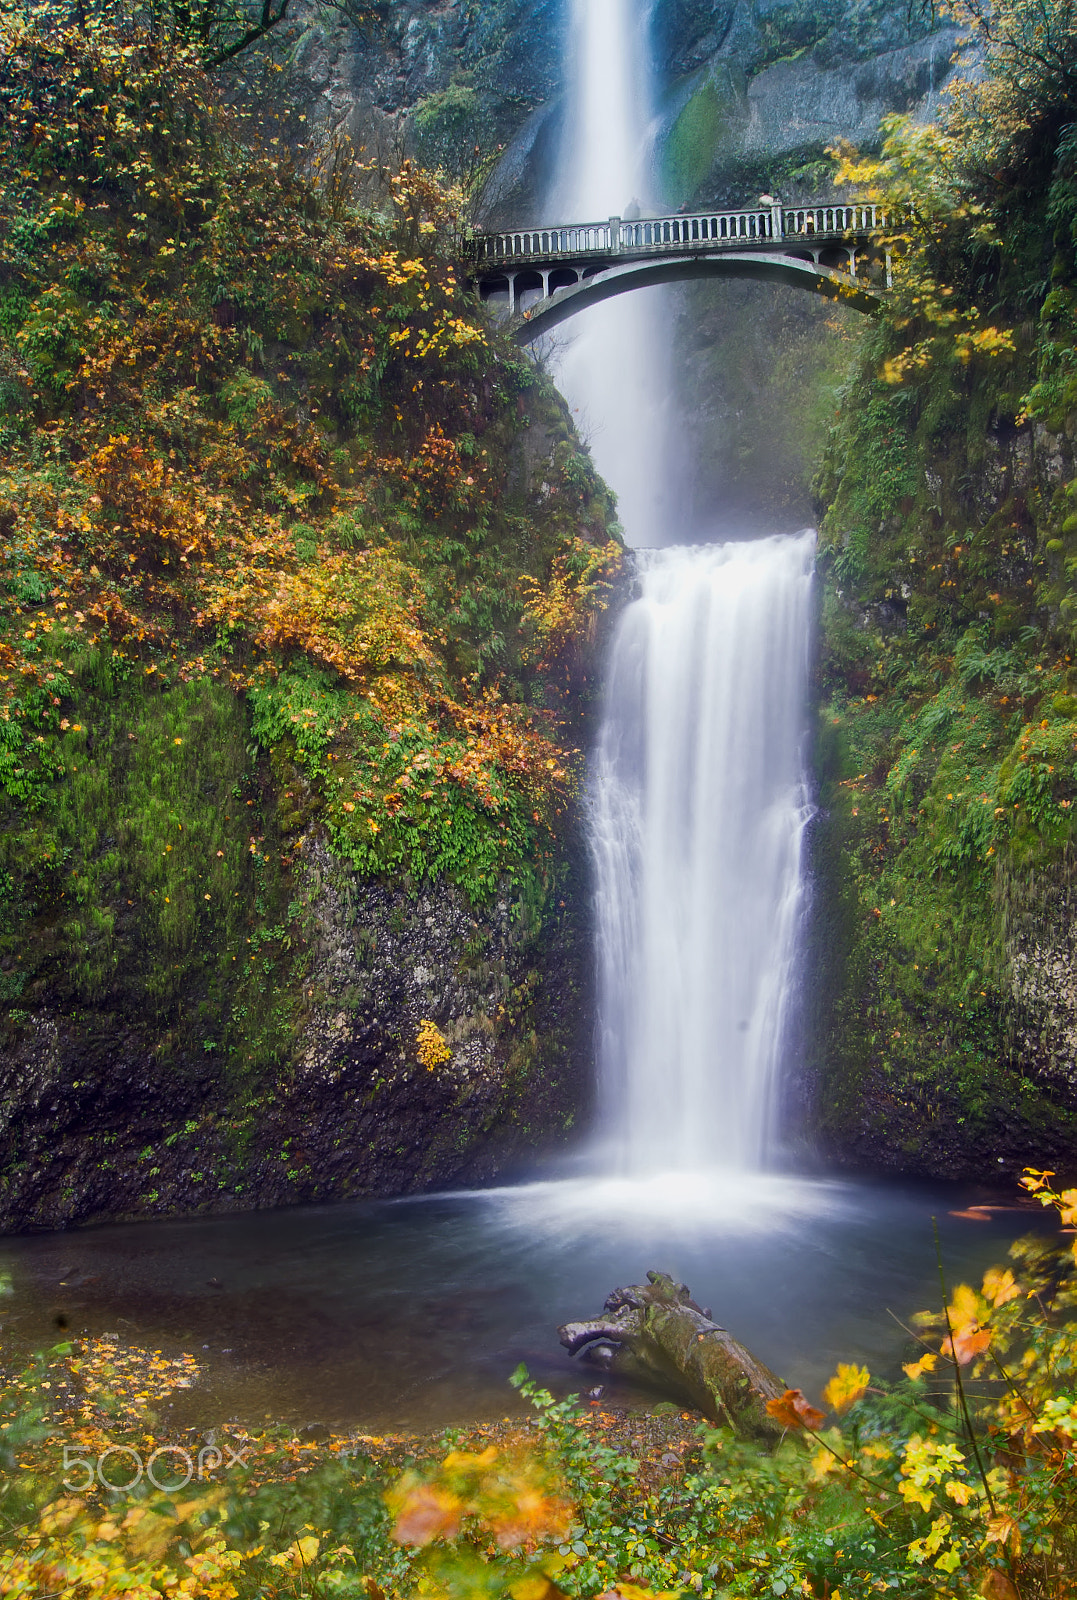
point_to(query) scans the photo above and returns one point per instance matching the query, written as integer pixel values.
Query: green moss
(950, 773)
(141, 879)
(694, 140)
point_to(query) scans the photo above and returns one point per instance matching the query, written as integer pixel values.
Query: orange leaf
(792, 1410)
(996, 1586)
(1004, 1530)
(967, 1343)
(424, 1513)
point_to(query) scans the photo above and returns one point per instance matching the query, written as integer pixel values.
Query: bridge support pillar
(615, 236)
(777, 227)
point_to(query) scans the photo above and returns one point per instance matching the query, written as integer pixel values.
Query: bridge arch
(547, 275)
(802, 272)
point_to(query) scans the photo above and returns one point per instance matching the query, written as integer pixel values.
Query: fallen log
(655, 1333)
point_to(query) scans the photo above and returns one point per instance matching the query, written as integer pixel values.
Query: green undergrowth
(948, 691)
(141, 864)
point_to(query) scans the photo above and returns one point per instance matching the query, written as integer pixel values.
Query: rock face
(796, 105)
(947, 1013)
(440, 77)
(749, 90)
(728, 131)
(105, 1119)
(1041, 917)
(508, 990)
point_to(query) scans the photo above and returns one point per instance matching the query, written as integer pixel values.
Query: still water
(412, 1314)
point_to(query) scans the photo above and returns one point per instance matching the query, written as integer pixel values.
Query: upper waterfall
(609, 111)
(615, 369)
(699, 809)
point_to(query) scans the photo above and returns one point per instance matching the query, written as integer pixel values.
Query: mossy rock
(697, 136)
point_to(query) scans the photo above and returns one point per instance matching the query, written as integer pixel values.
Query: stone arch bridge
(542, 276)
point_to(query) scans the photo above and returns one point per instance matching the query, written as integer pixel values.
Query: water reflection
(413, 1313)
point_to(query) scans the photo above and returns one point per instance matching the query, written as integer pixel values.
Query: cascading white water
(614, 368)
(698, 790)
(699, 811)
(610, 108)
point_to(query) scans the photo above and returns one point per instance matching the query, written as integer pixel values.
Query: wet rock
(102, 1120)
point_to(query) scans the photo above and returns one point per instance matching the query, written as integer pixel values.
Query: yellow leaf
(966, 1306)
(459, 1460)
(299, 1554)
(918, 1493)
(822, 1463)
(532, 1587)
(848, 1385)
(916, 1369)
(999, 1286)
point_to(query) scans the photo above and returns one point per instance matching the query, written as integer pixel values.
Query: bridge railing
(663, 233)
(802, 220)
(650, 235)
(546, 244)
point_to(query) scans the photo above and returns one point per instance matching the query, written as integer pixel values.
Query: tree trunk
(656, 1334)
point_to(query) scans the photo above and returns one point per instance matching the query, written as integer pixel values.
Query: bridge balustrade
(616, 236)
(545, 244)
(817, 244)
(654, 235)
(657, 233)
(832, 219)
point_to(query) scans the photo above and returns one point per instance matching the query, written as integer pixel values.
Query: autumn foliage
(253, 429)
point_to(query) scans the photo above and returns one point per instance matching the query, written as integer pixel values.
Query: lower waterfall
(699, 808)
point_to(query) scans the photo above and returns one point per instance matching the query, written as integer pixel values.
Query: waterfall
(609, 110)
(614, 368)
(699, 810)
(698, 793)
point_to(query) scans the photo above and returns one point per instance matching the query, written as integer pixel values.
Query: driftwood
(656, 1334)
